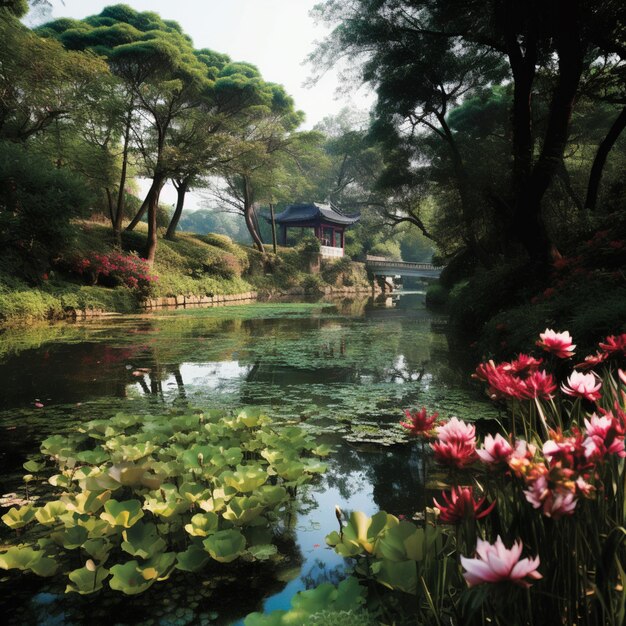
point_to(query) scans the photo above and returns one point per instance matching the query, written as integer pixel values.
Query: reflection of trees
(396, 474)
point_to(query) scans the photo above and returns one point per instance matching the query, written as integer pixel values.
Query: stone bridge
(382, 267)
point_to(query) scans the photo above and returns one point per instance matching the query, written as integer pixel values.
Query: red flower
(558, 343)
(614, 344)
(540, 385)
(461, 506)
(524, 364)
(592, 360)
(456, 454)
(419, 422)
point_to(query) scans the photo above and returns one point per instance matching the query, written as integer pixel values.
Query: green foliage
(37, 204)
(324, 605)
(145, 486)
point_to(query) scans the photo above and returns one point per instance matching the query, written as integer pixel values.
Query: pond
(344, 369)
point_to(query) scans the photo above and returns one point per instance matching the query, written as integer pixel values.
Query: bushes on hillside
(37, 204)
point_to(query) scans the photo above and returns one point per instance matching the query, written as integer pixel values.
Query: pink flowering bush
(116, 268)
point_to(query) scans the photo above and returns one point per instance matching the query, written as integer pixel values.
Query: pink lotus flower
(496, 563)
(582, 385)
(457, 454)
(419, 422)
(495, 450)
(592, 360)
(461, 506)
(457, 430)
(553, 503)
(614, 344)
(559, 344)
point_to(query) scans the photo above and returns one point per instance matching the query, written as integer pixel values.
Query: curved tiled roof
(306, 212)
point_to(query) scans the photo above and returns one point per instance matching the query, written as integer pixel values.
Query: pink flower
(540, 385)
(461, 505)
(614, 344)
(559, 344)
(521, 457)
(419, 422)
(523, 365)
(582, 385)
(605, 435)
(457, 430)
(496, 563)
(455, 454)
(592, 360)
(553, 502)
(495, 450)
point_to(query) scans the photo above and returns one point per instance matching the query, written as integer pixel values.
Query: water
(344, 369)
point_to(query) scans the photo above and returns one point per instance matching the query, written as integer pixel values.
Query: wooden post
(273, 227)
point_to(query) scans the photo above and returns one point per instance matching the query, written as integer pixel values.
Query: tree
(162, 79)
(419, 54)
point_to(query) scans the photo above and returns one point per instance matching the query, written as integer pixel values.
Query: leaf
(193, 559)
(142, 540)
(226, 545)
(87, 580)
(48, 514)
(124, 513)
(202, 524)
(263, 552)
(18, 518)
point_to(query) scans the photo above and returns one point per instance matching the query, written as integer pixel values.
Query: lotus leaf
(33, 466)
(48, 514)
(226, 545)
(202, 524)
(93, 457)
(86, 502)
(134, 452)
(402, 541)
(263, 552)
(194, 492)
(87, 579)
(124, 513)
(224, 457)
(132, 578)
(271, 495)
(247, 478)
(60, 480)
(128, 578)
(193, 559)
(212, 504)
(360, 533)
(198, 456)
(251, 417)
(71, 538)
(25, 558)
(97, 548)
(242, 510)
(61, 448)
(322, 450)
(289, 469)
(18, 518)
(100, 481)
(400, 575)
(142, 540)
(95, 526)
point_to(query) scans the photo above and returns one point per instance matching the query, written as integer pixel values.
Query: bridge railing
(382, 263)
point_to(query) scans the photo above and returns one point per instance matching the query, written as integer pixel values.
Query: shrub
(436, 296)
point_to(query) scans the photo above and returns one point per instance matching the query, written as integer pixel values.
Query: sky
(274, 35)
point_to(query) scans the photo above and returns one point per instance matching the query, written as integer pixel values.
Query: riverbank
(93, 279)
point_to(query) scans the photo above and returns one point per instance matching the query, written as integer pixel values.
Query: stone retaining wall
(199, 301)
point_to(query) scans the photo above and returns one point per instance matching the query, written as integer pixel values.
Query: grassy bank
(198, 265)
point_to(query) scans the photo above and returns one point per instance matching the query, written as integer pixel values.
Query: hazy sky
(274, 35)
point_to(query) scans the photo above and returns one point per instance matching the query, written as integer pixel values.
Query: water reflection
(344, 370)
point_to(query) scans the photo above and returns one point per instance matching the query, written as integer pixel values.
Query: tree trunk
(273, 228)
(182, 187)
(528, 223)
(119, 214)
(248, 214)
(153, 203)
(599, 161)
(143, 208)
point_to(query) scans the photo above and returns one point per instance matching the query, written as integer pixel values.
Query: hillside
(200, 265)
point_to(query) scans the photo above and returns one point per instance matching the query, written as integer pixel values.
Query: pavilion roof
(315, 211)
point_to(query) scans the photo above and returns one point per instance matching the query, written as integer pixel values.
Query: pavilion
(327, 222)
